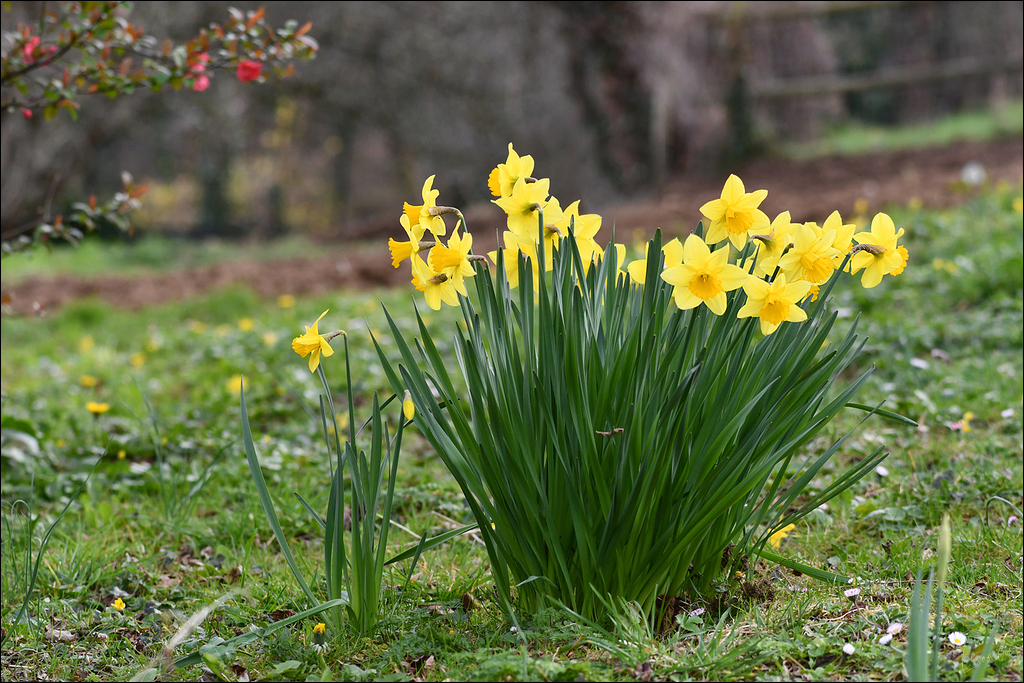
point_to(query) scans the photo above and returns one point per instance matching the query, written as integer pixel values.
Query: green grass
(149, 254)
(1006, 120)
(944, 340)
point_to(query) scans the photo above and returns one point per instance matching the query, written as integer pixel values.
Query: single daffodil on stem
(703, 277)
(426, 215)
(878, 253)
(812, 257)
(735, 214)
(772, 246)
(313, 344)
(523, 207)
(504, 176)
(436, 287)
(403, 250)
(774, 302)
(454, 260)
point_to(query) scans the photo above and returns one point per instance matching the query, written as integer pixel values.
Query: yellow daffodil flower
(585, 228)
(436, 287)
(773, 245)
(882, 255)
(523, 205)
(774, 303)
(408, 407)
(673, 251)
(812, 257)
(775, 540)
(403, 250)
(504, 176)
(905, 255)
(511, 255)
(453, 260)
(844, 235)
(703, 277)
(313, 344)
(735, 214)
(422, 215)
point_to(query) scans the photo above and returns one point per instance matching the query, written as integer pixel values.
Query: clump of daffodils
(776, 263)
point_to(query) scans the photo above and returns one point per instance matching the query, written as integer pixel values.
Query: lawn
(945, 339)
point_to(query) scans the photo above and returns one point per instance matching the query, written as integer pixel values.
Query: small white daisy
(885, 639)
(851, 592)
(894, 628)
(957, 638)
(849, 649)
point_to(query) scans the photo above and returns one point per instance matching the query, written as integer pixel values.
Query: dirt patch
(810, 190)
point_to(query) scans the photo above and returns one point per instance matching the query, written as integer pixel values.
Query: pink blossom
(201, 83)
(249, 70)
(30, 49)
(26, 112)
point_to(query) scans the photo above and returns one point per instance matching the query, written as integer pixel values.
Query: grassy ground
(858, 138)
(945, 339)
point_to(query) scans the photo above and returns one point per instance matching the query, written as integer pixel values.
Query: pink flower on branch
(249, 70)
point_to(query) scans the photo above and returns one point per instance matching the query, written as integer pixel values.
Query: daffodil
(812, 257)
(436, 287)
(775, 540)
(773, 245)
(504, 176)
(844, 235)
(905, 256)
(774, 302)
(403, 250)
(425, 215)
(523, 207)
(584, 227)
(510, 254)
(703, 277)
(673, 251)
(878, 252)
(313, 344)
(408, 407)
(453, 260)
(735, 214)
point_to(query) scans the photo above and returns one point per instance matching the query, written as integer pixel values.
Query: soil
(810, 190)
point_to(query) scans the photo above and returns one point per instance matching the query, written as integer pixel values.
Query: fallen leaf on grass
(60, 635)
(279, 614)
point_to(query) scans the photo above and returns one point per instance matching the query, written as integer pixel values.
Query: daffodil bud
(408, 407)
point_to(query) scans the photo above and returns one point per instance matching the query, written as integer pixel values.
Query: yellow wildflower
(86, 343)
(269, 338)
(118, 605)
(88, 381)
(97, 408)
(137, 359)
(312, 343)
(122, 454)
(774, 303)
(735, 214)
(246, 324)
(285, 301)
(235, 384)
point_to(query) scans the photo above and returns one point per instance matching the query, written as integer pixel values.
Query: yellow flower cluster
(787, 263)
